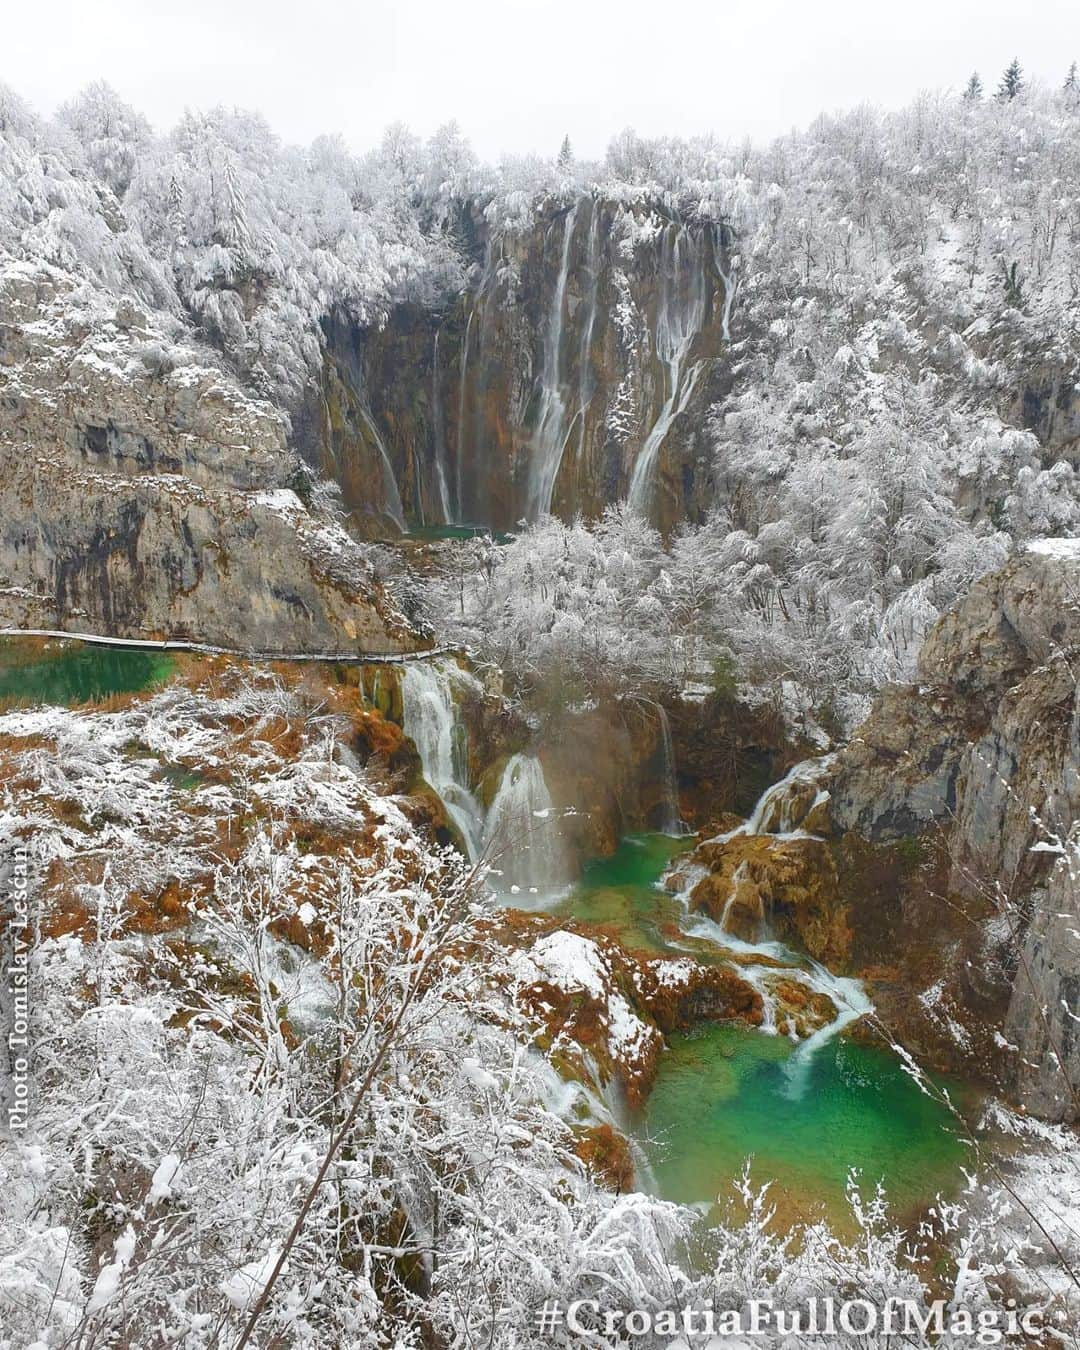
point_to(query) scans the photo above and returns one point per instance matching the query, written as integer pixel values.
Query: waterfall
(586, 384)
(679, 318)
(671, 822)
(781, 808)
(779, 811)
(521, 835)
(390, 487)
(461, 417)
(737, 877)
(731, 285)
(851, 1003)
(431, 719)
(549, 439)
(439, 431)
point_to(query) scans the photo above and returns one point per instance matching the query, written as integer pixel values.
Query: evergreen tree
(974, 90)
(1012, 82)
(1072, 81)
(566, 154)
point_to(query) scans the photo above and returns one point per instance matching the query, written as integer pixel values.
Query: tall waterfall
(670, 821)
(431, 719)
(679, 318)
(586, 381)
(549, 440)
(461, 443)
(521, 836)
(440, 434)
(390, 488)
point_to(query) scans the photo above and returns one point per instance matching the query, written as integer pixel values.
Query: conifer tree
(1012, 82)
(974, 90)
(566, 154)
(1072, 81)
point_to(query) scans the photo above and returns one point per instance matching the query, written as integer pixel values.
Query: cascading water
(680, 316)
(549, 440)
(670, 819)
(391, 495)
(440, 435)
(522, 842)
(462, 389)
(783, 807)
(586, 382)
(431, 720)
(851, 1003)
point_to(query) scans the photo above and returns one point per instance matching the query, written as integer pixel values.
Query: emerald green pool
(722, 1095)
(622, 892)
(726, 1093)
(75, 672)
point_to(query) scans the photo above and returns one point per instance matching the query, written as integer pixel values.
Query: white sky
(518, 74)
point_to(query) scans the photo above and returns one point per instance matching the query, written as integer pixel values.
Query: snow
(107, 1284)
(567, 961)
(164, 1179)
(1056, 548)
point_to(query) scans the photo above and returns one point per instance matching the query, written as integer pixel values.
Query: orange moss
(607, 1157)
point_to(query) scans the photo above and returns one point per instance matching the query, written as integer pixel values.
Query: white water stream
(679, 318)
(431, 719)
(779, 812)
(549, 439)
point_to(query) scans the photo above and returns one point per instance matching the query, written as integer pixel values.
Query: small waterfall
(549, 440)
(737, 877)
(679, 318)
(521, 836)
(851, 1003)
(431, 720)
(440, 434)
(671, 821)
(781, 808)
(390, 487)
(778, 813)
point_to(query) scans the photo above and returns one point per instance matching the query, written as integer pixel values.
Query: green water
(621, 892)
(723, 1094)
(726, 1092)
(68, 673)
(435, 533)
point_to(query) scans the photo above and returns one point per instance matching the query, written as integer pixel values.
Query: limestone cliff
(143, 494)
(984, 754)
(577, 369)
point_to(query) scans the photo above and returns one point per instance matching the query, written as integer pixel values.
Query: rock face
(142, 494)
(577, 370)
(986, 752)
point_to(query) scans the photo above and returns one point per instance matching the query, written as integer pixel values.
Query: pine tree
(566, 154)
(1012, 82)
(974, 90)
(1072, 81)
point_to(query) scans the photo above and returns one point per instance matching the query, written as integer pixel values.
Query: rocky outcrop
(143, 494)
(758, 885)
(577, 369)
(991, 733)
(984, 756)
(1043, 1021)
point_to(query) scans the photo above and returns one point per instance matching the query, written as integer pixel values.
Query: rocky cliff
(983, 755)
(143, 494)
(576, 370)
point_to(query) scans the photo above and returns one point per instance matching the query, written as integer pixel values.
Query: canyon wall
(576, 370)
(143, 494)
(981, 757)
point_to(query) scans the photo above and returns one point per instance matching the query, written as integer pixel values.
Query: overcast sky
(519, 74)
